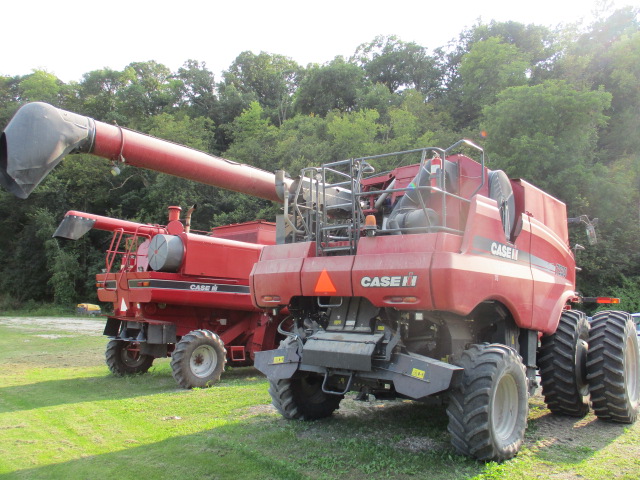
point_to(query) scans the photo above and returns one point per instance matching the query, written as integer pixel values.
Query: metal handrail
(317, 206)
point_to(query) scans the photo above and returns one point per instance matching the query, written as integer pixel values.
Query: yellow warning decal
(278, 359)
(381, 327)
(337, 322)
(416, 372)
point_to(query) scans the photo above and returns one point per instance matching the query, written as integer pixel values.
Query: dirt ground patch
(86, 326)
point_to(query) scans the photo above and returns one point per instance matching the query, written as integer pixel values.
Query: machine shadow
(557, 439)
(76, 390)
(264, 446)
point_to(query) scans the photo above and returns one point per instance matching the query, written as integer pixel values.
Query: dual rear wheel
(600, 360)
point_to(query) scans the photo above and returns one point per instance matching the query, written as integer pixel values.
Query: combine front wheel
(198, 359)
(563, 366)
(302, 398)
(488, 411)
(124, 358)
(613, 367)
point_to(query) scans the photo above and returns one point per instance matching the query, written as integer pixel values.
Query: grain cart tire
(124, 358)
(563, 366)
(613, 367)
(302, 398)
(488, 410)
(198, 359)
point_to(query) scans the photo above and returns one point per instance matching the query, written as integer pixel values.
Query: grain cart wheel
(563, 366)
(488, 410)
(302, 398)
(198, 359)
(124, 358)
(613, 367)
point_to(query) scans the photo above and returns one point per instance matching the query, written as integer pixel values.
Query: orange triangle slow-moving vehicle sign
(324, 283)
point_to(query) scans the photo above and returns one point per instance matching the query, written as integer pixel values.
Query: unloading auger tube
(75, 224)
(40, 135)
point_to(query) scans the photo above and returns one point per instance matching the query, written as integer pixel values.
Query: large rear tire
(563, 366)
(124, 358)
(302, 398)
(613, 367)
(488, 410)
(198, 359)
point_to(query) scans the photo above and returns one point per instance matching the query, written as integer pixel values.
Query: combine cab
(438, 277)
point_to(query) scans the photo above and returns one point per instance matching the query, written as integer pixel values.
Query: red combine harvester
(440, 277)
(197, 311)
(175, 292)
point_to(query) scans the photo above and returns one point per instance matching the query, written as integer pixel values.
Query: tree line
(557, 107)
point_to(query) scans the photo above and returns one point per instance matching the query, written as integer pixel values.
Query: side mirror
(591, 234)
(590, 227)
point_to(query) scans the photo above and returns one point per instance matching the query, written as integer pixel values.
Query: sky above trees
(73, 37)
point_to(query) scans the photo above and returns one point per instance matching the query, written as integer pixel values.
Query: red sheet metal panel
(276, 278)
(487, 267)
(388, 271)
(218, 257)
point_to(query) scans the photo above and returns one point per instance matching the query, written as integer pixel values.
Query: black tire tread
(180, 361)
(605, 366)
(469, 404)
(288, 398)
(557, 363)
(114, 361)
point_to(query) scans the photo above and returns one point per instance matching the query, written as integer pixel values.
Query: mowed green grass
(62, 415)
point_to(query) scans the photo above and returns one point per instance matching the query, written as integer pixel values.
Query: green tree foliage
(328, 87)
(547, 134)
(398, 65)
(197, 89)
(271, 78)
(487, 69)
(559, 108)
(9, 98)
(40, 86)
(353, 134)
(98, 91)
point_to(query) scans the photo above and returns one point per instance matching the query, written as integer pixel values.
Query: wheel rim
(582, 385)
(504, 411)
(203, 361)
(631, 370)
(131, 356)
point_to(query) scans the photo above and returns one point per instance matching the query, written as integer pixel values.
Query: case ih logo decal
(143, 283)
(504, 251)
(486, 246)
(396, 281)
(203, 287)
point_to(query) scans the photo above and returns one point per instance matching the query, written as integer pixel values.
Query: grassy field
(62, 415)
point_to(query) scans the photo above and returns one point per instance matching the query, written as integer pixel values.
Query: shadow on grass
(265, 446)
(558, 439)
(99, 388)
(75, 390)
